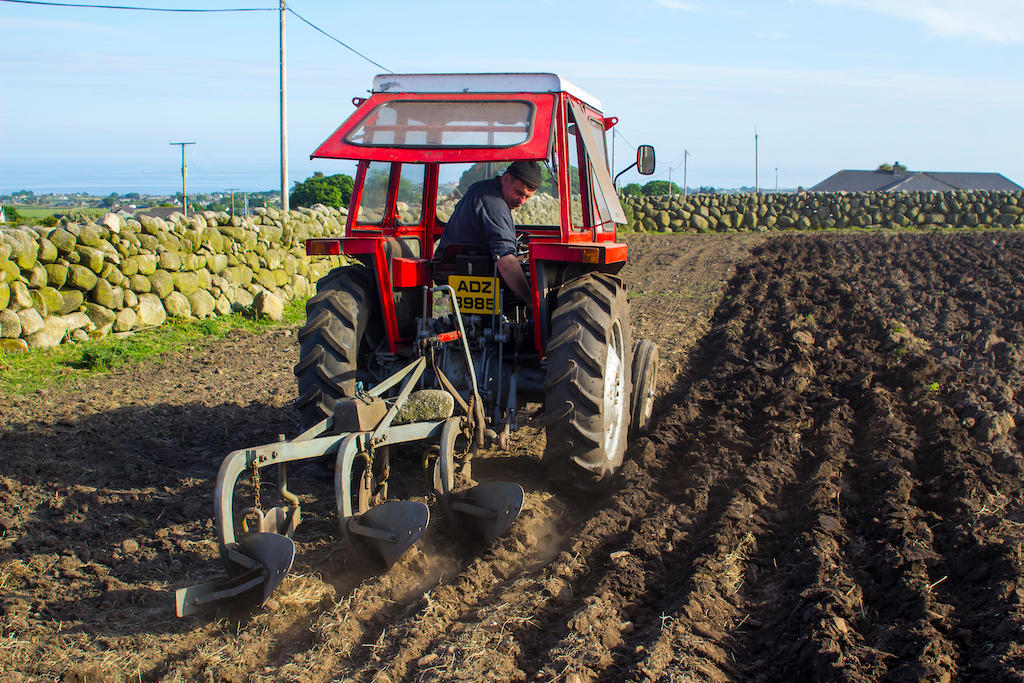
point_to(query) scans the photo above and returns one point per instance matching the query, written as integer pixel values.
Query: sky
(90, 98)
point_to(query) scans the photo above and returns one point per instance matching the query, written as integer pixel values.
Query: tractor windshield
(436, 123)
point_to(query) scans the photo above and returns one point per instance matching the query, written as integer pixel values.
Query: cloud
(682, 80)
(999, 21)
(677, 4)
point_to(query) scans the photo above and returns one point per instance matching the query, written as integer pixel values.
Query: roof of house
(912, 181)
(159, 211)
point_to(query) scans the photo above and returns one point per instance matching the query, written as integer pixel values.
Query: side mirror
(644, 163)
(645, 159)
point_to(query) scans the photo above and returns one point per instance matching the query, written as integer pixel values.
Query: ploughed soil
(830, 491)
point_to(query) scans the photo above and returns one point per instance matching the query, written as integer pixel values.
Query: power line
(348, 47)
(141, 9)
(615, 131)
(184, 9)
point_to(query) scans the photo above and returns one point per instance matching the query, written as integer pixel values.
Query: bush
(660, 187)
(334, 190)
(11, 214)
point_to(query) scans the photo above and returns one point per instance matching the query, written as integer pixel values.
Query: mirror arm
(616, 178)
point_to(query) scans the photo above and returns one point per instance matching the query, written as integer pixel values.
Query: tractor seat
(470, 259)
(461, 259)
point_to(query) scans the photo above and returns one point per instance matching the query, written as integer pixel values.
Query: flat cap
(526, 171)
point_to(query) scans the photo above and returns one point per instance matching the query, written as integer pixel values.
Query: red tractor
(408, 346)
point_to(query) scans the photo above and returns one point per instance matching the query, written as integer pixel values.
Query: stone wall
(816, 211)
(81, 281)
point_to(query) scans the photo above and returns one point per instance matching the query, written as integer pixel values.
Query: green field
(35, 369)
(35, 212)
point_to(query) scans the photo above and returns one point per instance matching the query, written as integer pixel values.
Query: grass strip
(36, 369)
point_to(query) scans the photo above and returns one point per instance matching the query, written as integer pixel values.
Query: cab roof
(480, 83)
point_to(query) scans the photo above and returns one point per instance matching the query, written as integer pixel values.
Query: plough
(358, 437)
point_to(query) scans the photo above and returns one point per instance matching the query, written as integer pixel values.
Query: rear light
(323, 247)
(590, 255)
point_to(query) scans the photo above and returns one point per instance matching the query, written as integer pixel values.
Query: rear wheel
(587, 385)
(336, 342)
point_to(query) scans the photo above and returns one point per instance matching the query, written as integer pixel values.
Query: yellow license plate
(476, 294)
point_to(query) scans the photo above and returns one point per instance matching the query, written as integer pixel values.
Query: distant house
(160, 211)
(914, 181)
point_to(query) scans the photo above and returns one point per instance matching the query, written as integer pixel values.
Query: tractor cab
(420, 140)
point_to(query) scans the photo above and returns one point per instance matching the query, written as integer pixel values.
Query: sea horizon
(101, 180)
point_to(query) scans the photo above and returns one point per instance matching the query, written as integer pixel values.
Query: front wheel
(645, 378)
(587, 384)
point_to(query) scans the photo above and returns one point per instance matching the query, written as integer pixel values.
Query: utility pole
(184, 173)
(284, 121)
(776, 180)
(756, 188)
(670, 183)
(685, 154)
(232, 190)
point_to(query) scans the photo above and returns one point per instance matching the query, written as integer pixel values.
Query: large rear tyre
(587, 385)
(336, 341)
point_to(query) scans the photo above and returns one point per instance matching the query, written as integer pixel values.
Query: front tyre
(587, 384)
(645, 378)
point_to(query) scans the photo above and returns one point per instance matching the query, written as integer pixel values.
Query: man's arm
(512, 274)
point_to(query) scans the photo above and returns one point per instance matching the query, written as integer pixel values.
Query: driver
(483, 217)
